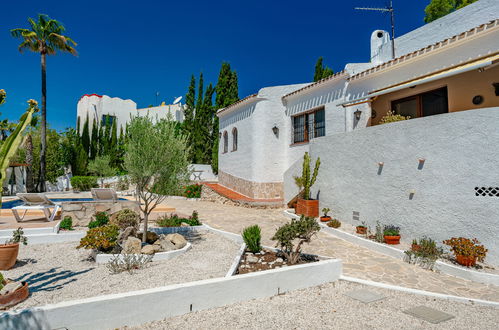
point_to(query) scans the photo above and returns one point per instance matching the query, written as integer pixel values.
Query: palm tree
(45, 36)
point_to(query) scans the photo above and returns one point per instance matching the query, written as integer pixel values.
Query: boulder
(148, 249)
(132, 245)
(252, 259)
(150, 238)
(123, 236)
(178, 240)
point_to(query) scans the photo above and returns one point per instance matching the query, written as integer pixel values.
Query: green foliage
(18, 237)
(125, 218)
(425, 252)
(174, 220)
(321, 72)
(66, 223)
(326, 210)
(128, 262)
(295, 232)
(440, 8)
(100, 166)
(334, 223)
(379, 236)
(156, 160)
(193, 191)
(305, 180)
(391, 117)
(252, 236)
(101, 219)
(84, 183)
(1, 275)
(102, 238)
(391, 230)
(85, 137)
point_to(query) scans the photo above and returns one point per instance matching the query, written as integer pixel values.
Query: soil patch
(268, 259)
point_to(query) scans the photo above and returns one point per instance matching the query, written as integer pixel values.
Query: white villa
(105, 109)
(435, 174)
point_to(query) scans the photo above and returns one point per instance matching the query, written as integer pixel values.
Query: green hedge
(84, 183)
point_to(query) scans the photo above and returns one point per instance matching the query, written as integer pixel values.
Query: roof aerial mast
(387, 9)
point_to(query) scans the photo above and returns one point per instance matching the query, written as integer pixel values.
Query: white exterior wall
(95, 106)
(460, 152)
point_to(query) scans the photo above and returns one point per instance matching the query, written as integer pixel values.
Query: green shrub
(101, 219)
(1, 281)
(66, 223)
(391, 117)
(252, 236)
(175, 221)
(424, 252)
(194, 219)
(84, 183)
(295, 232)
(193, 191)
(334, 223)
(125, 218)
(100, 238)
(18, 237)
(391, 230)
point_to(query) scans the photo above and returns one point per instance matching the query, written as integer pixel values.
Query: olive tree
(156, 158)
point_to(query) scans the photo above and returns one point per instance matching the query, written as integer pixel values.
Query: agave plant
(12, 143)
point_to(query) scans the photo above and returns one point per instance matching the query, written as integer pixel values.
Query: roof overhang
(236, 105)
(478, 64)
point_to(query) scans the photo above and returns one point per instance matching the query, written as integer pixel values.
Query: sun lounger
(104, 194)
(34, 201)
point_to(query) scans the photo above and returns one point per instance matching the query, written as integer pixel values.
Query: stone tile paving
(357, 261)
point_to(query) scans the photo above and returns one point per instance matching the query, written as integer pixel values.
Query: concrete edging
(138, 307)
(233, 268)
(102, 258)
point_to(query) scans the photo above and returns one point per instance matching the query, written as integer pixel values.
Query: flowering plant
(192, 191)
(467, 247)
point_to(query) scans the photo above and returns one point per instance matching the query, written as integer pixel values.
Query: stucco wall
(461, 89)
(460, 152)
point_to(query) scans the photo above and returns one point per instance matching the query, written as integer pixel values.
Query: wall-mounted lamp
(421, 160)
(496, 86)
(275, 129)
(357, 114)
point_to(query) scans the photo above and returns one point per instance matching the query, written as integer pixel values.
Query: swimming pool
(17, 202)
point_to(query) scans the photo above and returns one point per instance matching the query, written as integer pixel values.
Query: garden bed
(60, 272)
(268, 259)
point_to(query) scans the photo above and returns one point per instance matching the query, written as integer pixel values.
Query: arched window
(226, 142)
(234, 139)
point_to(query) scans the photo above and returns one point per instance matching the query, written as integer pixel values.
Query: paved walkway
(357, 261)
(235, 196)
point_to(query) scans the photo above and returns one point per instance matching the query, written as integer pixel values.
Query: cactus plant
(10, 145)
(305, 181)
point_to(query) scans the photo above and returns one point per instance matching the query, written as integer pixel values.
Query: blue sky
(133, 49)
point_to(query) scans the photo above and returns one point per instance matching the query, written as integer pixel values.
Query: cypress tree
(94, 140)
(78, 125)
(321, 72)
(207, 124)
(113, 145)
(190, 104)
(85, 137)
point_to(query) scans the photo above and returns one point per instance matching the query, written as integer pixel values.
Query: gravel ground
(325, 307)
(60, 272)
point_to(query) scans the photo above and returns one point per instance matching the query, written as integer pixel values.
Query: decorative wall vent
(356, 215)
(487, 191)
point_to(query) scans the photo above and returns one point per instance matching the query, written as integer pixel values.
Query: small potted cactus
(306, 205)
(391, 234)
(325, 217)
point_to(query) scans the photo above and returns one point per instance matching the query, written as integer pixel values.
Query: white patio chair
(36, 201)
(104, 194)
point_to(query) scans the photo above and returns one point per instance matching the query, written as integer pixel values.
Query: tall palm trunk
(43, 150)
(28, 144)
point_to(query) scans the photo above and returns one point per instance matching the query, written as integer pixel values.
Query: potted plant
(467, 251)
(361, 229)
(12, 293)
(10, 249)
(325, 217)
(415, 246)
(391, 234)
(335, 223)
(306, 205)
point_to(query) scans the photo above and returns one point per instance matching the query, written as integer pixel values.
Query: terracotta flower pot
(361, 230)
(8, 255)
(325, 219)
(393, 240)
(466, 261)
(15, 297)
(415, 247)
(308, 208)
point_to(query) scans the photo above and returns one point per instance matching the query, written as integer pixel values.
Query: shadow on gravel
(50, 280)
(24, 262)
(193, 237)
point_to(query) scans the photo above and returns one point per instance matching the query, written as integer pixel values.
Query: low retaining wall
(82, 211)
(102, 258)
(138, 307)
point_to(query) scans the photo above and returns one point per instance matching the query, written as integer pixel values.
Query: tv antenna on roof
(177, 100)
(387, 9)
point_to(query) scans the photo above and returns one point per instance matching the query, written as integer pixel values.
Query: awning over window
(470, 66)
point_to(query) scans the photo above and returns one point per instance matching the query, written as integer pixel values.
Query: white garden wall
(435, 197)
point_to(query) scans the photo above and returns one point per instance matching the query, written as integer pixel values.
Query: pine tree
(85, 137)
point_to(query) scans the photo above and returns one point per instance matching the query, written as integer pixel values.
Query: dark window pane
(319, 123)
(407, 107)
(435, 102)
(298, 129)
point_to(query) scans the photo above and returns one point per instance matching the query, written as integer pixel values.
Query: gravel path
(325, 307)
(60, 272)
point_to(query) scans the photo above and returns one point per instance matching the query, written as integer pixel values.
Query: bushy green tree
(440, 8)
(101, 167)
(157, 162)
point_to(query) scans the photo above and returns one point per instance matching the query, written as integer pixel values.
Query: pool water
(17, 202)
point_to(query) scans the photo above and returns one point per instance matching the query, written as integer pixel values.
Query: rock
(148, 249)
(252, 259)
(157, 248)
(184, 224)
(132, 245)
(178, 240)
(123, 236)
(279, 260)
(150, 238)
(166, 245)
(10, 287)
